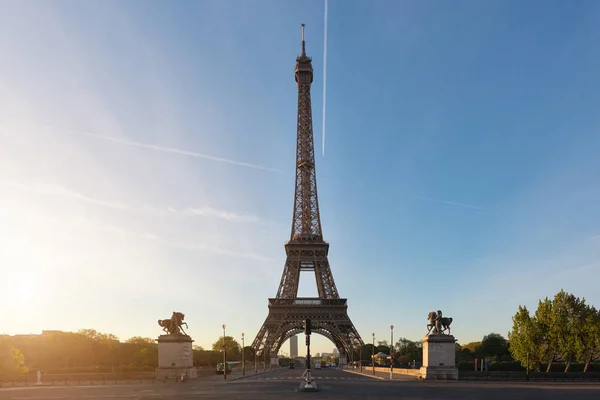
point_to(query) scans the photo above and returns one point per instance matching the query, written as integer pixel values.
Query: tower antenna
(303, 48)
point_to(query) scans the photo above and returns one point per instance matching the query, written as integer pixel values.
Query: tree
(472, 347)
(140, 340)
(568, 314)
(547, 335)
(197, 347)
(139, 352)
(493, 345)
(366, 352)
(103, 346)
(249, 353)
(588, 340)
(560, 329)
(231, 345)
(408, 351)
(523, 341)
(12, 360)
(463, 354)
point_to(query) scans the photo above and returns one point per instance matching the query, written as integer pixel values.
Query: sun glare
(21, 289)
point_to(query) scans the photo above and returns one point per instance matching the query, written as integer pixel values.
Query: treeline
(562, 329)
(89, 351)
(405, 351)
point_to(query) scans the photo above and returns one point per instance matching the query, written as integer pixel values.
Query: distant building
(336, 353)
(294, 346)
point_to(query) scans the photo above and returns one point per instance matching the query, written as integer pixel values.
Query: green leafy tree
(12, 360)
(493, 346)
(408, 351)
(367, 350)
(561, 328)
(140, 340)
(523, 340)
(138, 352)
(231, 345)
(588, 340)
(249, 353)
(463, 354)
(568, 314)
(548, 346)
(472, 347)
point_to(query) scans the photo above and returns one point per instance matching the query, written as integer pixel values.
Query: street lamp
(373, 356)
(243, 357)
(265, 354)
(255, 361)
(224, 355)
(360, 361)
(392, 352)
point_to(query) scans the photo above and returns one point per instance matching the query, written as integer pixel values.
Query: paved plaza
(282, 384)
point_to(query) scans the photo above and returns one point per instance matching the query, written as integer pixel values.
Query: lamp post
(243, 357)
(360, 361)
(255, 361)
(224, 355)
(373, 355)
(392, 352)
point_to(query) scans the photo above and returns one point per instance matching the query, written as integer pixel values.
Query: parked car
(220, 368)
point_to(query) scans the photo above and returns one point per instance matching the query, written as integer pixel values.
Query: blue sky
(147, 161)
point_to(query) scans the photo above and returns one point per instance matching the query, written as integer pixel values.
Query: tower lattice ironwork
(306, 250)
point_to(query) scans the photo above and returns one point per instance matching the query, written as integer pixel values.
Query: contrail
(178, 151)
(324, 76)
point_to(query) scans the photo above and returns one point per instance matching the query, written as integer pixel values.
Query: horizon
(459, 170)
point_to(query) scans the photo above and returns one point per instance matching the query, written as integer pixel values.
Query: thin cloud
(227, 215)
(181, 152)
(211, 248)
(56, 190)
(452, 203)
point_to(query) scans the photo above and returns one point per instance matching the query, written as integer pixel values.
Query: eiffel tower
(306, 251)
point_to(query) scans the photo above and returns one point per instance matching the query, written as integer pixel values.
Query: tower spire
(306, 222)
(303, 46)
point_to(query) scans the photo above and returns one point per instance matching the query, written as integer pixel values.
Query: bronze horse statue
(438, 323)
(174, 325)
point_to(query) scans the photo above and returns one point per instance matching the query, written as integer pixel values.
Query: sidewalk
(380, 375)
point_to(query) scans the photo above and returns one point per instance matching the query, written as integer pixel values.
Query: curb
(363, 374)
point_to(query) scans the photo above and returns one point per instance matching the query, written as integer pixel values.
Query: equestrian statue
(174, 326)
(438, 324)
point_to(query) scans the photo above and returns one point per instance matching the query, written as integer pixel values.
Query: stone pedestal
(439, 353)
(175, 357)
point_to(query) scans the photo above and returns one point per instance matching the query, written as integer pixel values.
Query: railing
(72, 382)
(307, 301)
(533, 376)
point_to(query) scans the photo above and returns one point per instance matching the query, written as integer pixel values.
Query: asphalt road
(333, 384)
